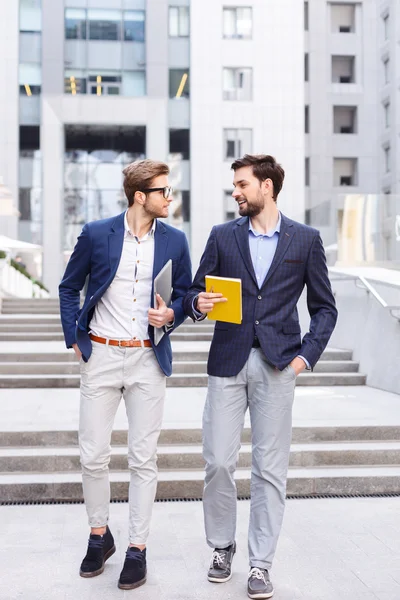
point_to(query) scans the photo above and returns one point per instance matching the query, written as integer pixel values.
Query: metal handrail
(367, 286)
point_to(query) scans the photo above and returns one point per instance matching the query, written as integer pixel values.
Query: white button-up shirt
(122, 312)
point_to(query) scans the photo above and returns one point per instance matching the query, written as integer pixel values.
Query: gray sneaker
(221, 564)
(258, 584)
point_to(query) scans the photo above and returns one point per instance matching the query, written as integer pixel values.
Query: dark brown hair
(264, 167)
(139, 176)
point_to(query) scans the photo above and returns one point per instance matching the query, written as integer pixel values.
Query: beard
(153, 211)
(252, 209)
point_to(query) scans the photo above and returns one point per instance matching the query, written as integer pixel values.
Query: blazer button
(259, 297)
(257, 322)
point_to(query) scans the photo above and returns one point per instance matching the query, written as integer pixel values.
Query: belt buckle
(119, 344)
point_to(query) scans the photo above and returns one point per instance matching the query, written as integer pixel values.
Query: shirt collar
(276, 229)
(128, 231)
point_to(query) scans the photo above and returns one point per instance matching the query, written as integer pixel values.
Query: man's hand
(206, 301)
(162, 315)
(298, 365)
(77, 351)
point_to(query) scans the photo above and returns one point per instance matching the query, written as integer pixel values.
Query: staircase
(43, 465)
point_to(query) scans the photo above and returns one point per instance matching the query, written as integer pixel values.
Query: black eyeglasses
(167, 191)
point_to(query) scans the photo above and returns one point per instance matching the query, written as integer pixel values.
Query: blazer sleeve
(320, 303)
(72, 283)
(182, 279)
(209, 265)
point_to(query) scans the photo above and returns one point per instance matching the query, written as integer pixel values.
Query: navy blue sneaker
(134, 571)
(100, 548)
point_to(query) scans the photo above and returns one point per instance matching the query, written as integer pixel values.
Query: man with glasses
(113, 337)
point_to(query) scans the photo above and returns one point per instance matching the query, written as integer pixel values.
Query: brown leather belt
(121, 343)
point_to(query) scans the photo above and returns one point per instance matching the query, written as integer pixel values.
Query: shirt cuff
(197, 314)
(169, 326)
(308, 366)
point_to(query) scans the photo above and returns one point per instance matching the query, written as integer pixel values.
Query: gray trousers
(111, 373)
(269, 394)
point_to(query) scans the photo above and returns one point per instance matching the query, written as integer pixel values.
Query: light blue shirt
(262, 249)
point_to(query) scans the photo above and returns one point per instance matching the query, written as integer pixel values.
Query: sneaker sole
(219, 579)
(260, 596)
(131, 586)
(99, 571)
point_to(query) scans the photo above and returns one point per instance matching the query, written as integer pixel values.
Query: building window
(306, 16)
(179, 143)
(343, 69)
(179, 21)
(30, 79)
(237, 22)
(230, 207)
(306, 119)
(306, 67)
(134, 25)
(104, 24)
(30, 184)
(386, 27)
(344, 172)
(386, 74)
(307, 171)
(108, 83)
(344, 119)
(237, 142)
(75, 24)
(30, 16)
(179, 83)
(343, 18)
(387, 159)
(93, 162)
(386, 108)
(237, 83)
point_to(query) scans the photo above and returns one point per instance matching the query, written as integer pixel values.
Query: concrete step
(176, 380)
(178, 367)
(36, 310)
(23, 487)
(191, 355)
(310, 434)
(178, 457)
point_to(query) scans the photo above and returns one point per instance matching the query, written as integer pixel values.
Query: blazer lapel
(115, 243)
(286, 236)
(242, 238)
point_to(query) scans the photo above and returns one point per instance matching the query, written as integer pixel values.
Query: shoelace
(257, 574)
(96, 544)
(133, 554)
(218, 558)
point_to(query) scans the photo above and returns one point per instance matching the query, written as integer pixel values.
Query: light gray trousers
(269, 394)
(111, 373)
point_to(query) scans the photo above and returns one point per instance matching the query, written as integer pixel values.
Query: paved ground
(329, 549)
(58, 409)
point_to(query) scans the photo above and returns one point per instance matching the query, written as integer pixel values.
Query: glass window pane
(30, 15)
(134, 83)
(179, 83)
(184, 21)
(244, 22)
(229, 18)
(179, 143)
(75, 24)
(104, 24)
(30, 74)
(74, 82)
(173, 21)
(134, 25)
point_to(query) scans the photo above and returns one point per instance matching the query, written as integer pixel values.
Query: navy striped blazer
(269, 311)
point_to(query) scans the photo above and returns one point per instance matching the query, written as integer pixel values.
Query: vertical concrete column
(52, 141)
(9, 107)
(157, 48)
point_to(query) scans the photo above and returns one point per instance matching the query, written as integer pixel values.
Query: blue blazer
(269, 311)
(97, 254)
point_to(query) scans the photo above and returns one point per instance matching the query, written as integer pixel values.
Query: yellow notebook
(230, 311)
